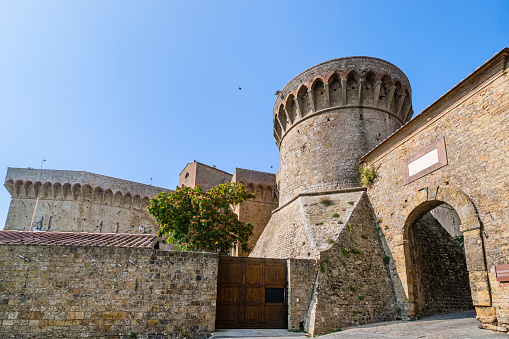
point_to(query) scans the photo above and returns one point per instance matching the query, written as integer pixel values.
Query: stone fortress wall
(259, 210)
(76, 201)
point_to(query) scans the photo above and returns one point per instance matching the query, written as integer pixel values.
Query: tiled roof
(78, 239)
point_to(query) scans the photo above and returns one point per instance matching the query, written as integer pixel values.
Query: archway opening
(437, 263)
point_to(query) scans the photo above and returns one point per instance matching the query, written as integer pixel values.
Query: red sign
(502, 272)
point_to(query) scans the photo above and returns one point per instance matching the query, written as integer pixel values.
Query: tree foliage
(202, 221)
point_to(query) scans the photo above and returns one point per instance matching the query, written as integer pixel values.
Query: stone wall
(69, 292)
(338, 233)
(303, 227)
(353, 285)
(259, 210)
(472, 119)
(196, 173)
(72, 201)
(301, 282)
(440, 273)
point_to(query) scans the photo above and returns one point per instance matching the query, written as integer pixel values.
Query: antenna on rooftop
(42, 162)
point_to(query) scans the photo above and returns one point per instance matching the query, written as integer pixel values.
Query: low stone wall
(301, 281)
(69, 292)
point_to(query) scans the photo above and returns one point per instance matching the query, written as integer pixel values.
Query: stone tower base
(350, 281)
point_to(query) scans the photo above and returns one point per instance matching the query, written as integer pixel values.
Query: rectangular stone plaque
(427, 160)
(502, 272)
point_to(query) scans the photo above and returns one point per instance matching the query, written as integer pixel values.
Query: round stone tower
(330, 115)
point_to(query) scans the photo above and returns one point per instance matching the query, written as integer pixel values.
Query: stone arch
(290, 108)
(87, 193)
(424, 201)
(136, 202)
(108, 197)
(267, 193)
(118, 199)
(19, 189)
(352, 88)
(9, 185)
(47, 190)
(76, 192)
(278, 132)
(367, 90)
(127, 201)
(335, 89)
(67, 191)
(398, 98)
(258, 191)
(303, 98)
(384, 91)
(250, 188)
(37, 189)
(281, 115)
(98, 195)
(407, 107)
(57, 191)
(145, 202)
(29, 190)
(319, 95)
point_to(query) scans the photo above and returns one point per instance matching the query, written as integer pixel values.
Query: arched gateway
(412, 212)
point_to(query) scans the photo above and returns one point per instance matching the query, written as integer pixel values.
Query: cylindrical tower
(330, 115)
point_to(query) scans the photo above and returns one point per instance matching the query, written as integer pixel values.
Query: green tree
(202, 221)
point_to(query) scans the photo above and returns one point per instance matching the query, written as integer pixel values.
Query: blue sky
(137, 89)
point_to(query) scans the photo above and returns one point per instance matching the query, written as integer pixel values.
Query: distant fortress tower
(325, 120)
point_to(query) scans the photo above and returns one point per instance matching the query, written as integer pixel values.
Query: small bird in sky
(240, 88)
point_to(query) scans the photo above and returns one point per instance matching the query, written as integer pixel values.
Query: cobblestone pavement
(456, 325)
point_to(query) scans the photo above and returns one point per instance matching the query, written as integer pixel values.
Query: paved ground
(456, 325)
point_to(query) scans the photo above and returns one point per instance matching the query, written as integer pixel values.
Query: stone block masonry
(472, 119)
(76, 201)
(72, 291)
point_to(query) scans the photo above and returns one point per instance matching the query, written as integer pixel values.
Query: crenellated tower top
(344, 82)
(330, 115)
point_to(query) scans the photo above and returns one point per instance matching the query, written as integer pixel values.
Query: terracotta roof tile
(78, 239)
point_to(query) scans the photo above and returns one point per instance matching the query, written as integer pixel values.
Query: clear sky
(137, 89)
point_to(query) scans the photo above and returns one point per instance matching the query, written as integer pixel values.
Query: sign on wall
(425, 161)
(502, 272)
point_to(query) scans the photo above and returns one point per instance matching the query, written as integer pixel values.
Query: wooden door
(251, 293)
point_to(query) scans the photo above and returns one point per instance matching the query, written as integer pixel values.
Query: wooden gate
(251, 293)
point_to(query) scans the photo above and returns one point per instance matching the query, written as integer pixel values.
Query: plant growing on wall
(202, 221)
(367, 174)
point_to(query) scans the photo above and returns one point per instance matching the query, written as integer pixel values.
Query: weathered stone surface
(472, 118)
(72, 201)
(68, 292)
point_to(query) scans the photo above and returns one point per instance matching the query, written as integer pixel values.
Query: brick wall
(67, 291)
